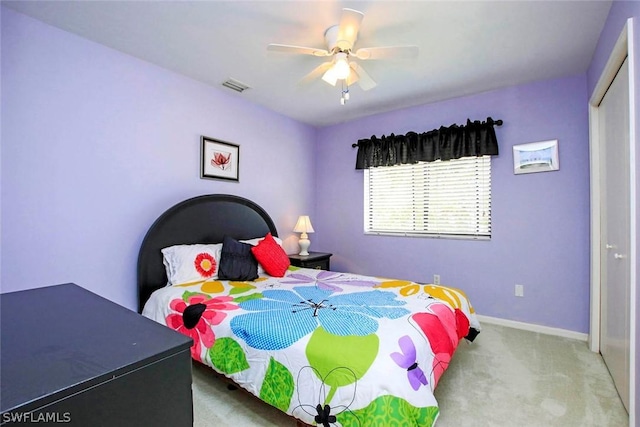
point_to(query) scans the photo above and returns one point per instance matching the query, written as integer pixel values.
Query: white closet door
(613, 117)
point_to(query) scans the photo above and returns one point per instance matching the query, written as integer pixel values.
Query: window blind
(441, 198)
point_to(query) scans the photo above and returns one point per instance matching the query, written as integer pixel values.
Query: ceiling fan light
(341, 67)
(330, 76)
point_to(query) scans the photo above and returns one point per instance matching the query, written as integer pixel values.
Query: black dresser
(71, 357)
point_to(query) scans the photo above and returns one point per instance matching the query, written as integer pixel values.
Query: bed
(327, 348)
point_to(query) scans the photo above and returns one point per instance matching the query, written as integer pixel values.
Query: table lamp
(303, 226)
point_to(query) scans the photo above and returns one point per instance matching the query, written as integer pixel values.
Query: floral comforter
(325, 347)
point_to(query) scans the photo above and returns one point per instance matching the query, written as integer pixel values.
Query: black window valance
(471, 140)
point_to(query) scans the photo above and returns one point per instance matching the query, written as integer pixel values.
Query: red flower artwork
(205, 265)
(195, 319)
(220, 160)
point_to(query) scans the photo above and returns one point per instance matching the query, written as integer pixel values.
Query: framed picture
(536, 157)
(219, 159)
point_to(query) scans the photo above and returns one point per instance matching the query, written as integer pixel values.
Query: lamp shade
(303, 225)
(339, 70)
(330, 76)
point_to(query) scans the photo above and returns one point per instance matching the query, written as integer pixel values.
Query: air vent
(235, 85)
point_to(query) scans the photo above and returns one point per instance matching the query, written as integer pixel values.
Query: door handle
(608, 246)
(619, 256)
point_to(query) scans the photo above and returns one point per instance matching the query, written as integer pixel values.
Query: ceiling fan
(340, 40)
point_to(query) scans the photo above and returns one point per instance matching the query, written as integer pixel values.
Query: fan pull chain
(345, 94)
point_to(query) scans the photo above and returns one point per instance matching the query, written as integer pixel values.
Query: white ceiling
(465, 47)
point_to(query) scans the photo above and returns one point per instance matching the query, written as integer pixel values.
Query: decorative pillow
(257, 240)
(191, 263)
(236, 261)
(271, 256)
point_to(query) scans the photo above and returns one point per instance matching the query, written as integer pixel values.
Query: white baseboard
(565, 333)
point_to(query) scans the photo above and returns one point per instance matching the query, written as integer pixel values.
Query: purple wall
(618, 15)
(540, 221)
(97, 144)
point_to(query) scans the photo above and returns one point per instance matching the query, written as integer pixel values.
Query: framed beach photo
(536, 157)
(219, 159)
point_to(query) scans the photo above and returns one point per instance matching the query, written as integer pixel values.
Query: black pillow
(237, 261)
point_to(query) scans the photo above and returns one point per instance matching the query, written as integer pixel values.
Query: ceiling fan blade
(365, 81)
(348, 28)
(387, 52)
(316, 72)
(285, 48)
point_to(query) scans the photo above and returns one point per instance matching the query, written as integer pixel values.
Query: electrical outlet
(519, 290)
(436, 279)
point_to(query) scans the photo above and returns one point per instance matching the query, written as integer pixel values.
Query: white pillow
(191, 263)
(257, 240)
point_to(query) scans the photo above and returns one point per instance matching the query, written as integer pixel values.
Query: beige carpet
(507, 377)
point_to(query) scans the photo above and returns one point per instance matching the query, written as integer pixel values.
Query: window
(440, 199)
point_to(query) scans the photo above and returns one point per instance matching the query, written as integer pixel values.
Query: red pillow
(271, 256)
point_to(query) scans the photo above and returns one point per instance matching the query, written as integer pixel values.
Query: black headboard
(202, 219)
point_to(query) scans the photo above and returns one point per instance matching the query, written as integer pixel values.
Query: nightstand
(317, 260)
